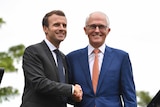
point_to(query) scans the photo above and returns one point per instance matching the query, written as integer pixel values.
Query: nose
(61, 26)
(97, 29)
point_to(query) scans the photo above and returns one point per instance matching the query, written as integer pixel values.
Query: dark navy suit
(115, 79)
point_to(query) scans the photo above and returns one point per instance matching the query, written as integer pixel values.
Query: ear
(109, 29)
(45, 29)
(85, 30)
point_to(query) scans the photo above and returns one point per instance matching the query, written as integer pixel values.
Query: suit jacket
(115, 79)
(42, 86)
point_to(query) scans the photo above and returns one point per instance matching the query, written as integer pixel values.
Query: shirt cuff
(72, 89)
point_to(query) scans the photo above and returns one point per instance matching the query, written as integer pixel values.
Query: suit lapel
(48, 53)
(50, 57)
(85, 66)
(105, 65)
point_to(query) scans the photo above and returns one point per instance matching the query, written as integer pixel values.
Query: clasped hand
(78, 93)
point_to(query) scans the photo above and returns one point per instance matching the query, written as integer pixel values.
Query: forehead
(56, 18)
(97, 18)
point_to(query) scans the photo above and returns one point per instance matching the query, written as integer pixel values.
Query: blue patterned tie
(60, 65)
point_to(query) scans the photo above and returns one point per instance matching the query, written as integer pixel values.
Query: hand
(78, 93)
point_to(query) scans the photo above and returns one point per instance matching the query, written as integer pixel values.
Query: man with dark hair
(45, 70)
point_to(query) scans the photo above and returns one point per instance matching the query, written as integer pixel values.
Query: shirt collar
(50, 45)
(91, 48)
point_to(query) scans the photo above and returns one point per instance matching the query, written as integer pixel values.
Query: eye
(92, 26)
(64, 25)
(56, 24)
(60, 24)
(101, 26)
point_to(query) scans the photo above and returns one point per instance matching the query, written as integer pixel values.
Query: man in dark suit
(114, 79)
(44, 87)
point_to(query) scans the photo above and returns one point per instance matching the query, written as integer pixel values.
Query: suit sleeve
(127, 83)
(35, 69)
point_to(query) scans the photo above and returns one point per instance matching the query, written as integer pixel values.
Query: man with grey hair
(104, 73)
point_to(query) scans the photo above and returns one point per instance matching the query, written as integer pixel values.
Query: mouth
(97, 35)
(60, 34)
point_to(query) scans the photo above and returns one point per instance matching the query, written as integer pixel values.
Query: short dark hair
(45, 18)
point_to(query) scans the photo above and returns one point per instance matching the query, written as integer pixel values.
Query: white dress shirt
(52, 48)
(91, 56)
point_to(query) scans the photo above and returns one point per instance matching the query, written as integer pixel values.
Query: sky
(134, 28)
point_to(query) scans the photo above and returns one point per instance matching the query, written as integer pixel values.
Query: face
(56, 30)
(96, 28)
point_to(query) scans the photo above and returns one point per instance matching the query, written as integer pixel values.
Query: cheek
(87, 32)
(90, 33)
(103, 38)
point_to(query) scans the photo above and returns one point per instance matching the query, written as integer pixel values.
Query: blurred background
(134, 28)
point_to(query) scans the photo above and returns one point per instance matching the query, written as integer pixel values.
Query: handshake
(78, 93)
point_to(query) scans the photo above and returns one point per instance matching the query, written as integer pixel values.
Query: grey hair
(107, 18)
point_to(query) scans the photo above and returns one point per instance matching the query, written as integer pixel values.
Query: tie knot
(56, 51)
(96, 51)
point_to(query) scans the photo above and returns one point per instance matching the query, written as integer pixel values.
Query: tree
(144, 98)
(1, 21)
(7, 60)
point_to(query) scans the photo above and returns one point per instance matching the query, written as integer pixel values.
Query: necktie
(95, 72)
(60, 65)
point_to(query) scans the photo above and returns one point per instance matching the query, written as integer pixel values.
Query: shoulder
(117, 54)
(36, 47)
(77, 52)
(116, 51)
